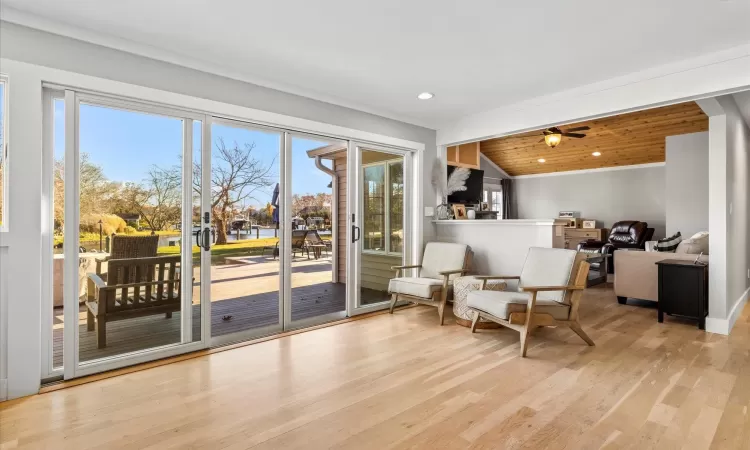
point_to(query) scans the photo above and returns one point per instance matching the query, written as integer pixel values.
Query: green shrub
(110, 223)
(130, 230)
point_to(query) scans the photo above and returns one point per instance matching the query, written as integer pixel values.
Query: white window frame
(487, 191)
(387, 196)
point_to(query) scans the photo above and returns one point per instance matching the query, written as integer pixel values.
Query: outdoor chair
(135, 287)
(298, 244)
(549, 294)
(317, 243)
(123, 247)
(441, 263)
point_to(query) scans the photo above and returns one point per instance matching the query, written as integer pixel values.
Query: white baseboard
(3, 390)
(724, 326)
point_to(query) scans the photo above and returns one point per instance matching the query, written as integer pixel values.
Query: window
(493, 196)
(3, 151)
(383, 225)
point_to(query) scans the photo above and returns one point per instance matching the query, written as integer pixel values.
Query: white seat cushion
(417, 287)
(502, 303)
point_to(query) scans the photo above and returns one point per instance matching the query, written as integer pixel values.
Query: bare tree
(235, 177)
(157, 200)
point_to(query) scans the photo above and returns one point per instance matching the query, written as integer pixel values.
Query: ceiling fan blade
(541, 140)
(574, 135)
(584, 128)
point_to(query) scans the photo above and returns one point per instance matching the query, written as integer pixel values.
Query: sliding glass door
(123, 197)
(242, 230)
(380, 234)
(169, 231)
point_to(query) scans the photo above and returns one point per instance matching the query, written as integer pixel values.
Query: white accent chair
(442, 262)
(549, 293)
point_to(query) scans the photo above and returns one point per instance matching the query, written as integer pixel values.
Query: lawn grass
(232, 248)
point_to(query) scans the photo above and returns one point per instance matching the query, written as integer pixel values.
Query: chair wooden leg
(474, 321)
(441, 308)
(101, 332)
(576, 327)
(528, 326)
(394, 299)
(90, 321)
(168, 315)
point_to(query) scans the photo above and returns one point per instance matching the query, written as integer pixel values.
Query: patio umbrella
(275, 204)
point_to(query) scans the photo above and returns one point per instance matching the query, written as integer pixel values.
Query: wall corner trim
(724, 326)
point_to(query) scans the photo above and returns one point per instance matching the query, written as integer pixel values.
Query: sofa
(637, 274)
(626, 234)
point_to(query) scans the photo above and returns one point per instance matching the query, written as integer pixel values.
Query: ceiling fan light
(552, 139)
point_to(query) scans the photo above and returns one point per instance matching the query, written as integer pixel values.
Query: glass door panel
(245, 258)
(378, 236)
(318, 197)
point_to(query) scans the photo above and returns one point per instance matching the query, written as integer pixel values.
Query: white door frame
(412, 222)
(72, 367)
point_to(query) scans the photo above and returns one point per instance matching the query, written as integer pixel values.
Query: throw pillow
(669, 244)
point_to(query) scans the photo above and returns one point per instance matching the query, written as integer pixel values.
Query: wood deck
(245, 296)
(402, 381)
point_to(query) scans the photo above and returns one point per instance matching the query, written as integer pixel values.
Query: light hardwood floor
(402, 381)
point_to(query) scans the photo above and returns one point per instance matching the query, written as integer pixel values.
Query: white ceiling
(378, 55)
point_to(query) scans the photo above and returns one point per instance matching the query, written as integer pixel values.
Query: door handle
(206, 244)
(355, 233)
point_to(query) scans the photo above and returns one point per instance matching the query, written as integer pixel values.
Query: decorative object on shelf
(459, 211)
(443, 212)
(471, 214)
(589, 224)
(485, 206)
(456, 182)
(574, 223)
(568, 214)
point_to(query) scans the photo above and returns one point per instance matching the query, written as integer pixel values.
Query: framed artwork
(485, 206)
(459, 212)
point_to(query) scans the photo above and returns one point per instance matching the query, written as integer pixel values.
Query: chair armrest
(97, 280)
(551, 288)
(405, 267)
(497, 277)
(452, 272)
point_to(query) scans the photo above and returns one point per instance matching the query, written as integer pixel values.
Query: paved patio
(244, 294)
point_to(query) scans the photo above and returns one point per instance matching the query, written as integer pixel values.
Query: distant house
(132, 219)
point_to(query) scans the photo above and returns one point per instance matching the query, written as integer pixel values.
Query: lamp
(552, 139)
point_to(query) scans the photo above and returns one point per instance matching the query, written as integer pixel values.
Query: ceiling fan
(553, 136)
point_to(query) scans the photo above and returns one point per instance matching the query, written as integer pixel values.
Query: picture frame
(459, 212)
(485, 206)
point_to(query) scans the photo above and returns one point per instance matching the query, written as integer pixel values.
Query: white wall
(25, 120)
(686, 195)
(606, 196)
(729, 212)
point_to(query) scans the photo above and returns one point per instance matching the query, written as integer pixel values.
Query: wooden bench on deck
(134, 287)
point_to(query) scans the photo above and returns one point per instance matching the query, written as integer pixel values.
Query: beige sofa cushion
(698, 243)
(501, 304)
(637, 275)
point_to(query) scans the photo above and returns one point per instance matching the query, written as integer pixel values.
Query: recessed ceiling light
(596, 154)
(425, 95)
(541, 160)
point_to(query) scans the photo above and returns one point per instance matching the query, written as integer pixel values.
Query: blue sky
(126, 144)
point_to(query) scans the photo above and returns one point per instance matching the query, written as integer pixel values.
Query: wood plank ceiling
(623, 140)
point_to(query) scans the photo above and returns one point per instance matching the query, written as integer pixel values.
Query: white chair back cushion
(548, 267)
(442, 256)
